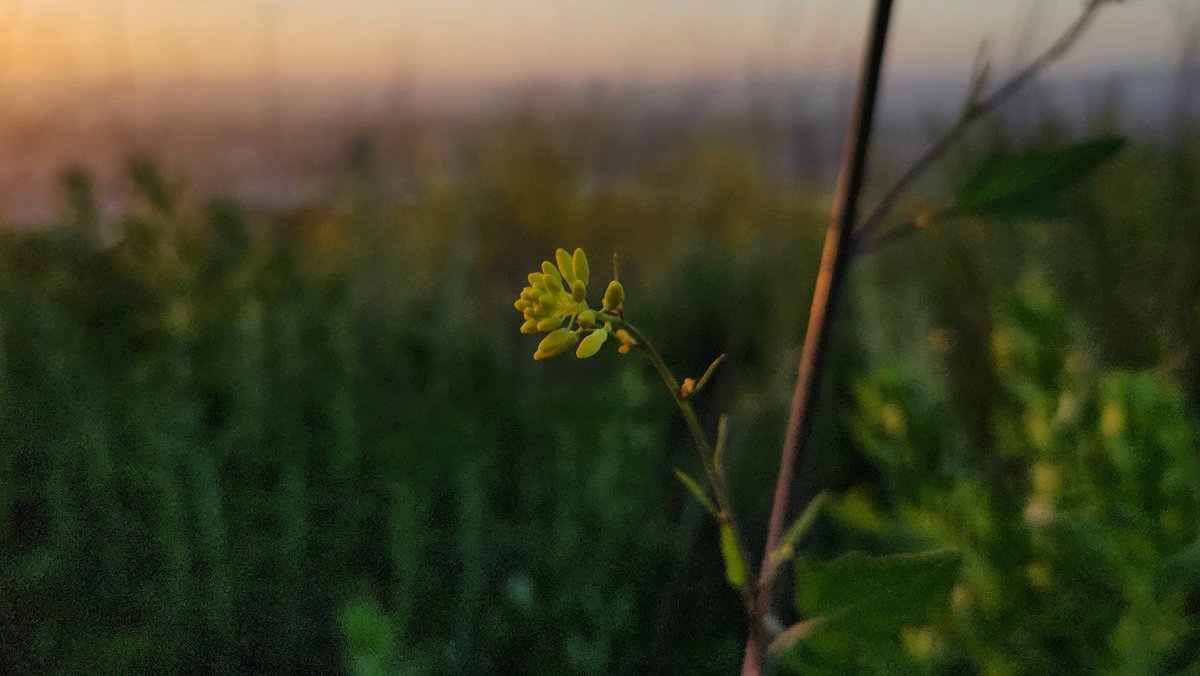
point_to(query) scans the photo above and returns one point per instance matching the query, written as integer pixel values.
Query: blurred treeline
(312, 440)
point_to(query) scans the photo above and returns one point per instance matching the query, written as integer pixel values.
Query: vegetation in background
(304, 441)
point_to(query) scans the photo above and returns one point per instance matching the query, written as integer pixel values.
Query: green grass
(314, 441)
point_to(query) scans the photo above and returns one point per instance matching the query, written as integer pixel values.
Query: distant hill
(280, 144)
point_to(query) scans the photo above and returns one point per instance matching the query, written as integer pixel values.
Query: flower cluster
(555, 303)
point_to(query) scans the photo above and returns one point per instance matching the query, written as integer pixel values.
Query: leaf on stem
(884, 592)
(801, 526)
(708, 373)
(858, 604)
(1030, 183)
(735, 565)
(719, 453)
(695, 489)
(980, 74)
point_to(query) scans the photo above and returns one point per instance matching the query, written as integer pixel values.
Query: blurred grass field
(311, 439)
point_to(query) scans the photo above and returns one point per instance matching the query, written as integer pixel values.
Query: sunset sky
(489, 41)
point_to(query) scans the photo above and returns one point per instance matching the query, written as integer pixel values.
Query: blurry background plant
(279, 440)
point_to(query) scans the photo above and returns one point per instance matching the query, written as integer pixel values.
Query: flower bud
(565, 266)
(614, 296)
(587, 319)
(580, 264)
(627, 341)
(578, 291)
(591, 345)
(555, 343)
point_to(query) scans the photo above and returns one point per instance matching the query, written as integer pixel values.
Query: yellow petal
(592, 344)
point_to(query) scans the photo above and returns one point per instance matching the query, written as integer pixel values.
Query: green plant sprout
(855, 604)
(555, 303)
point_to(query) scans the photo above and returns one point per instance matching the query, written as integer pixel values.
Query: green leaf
(884, 593)
(708, 373)
(722, 439)
(735, 567)
(858, 605)
(806, 520)
(1031, 182)
(697, 492)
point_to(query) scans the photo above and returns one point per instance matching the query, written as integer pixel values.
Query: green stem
(703, 446)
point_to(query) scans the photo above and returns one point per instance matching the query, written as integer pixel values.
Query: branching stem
(974, 110)
(703, 447)
(842, 240)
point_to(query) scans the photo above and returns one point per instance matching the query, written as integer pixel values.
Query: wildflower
(555, 303)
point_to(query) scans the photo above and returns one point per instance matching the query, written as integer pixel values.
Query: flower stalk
(733, 546)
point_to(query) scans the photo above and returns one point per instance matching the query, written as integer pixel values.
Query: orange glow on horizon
(86, 40)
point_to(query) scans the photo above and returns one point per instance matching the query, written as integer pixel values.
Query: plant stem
(703, 447)
(835, 259)
(970, 113)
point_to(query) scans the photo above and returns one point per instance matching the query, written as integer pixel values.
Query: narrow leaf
(696, 491)
(805, 521)
(1030, 183)
(708, 373)
(719, 453)
(735, 566)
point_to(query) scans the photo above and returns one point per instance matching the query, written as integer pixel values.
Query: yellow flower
(555, 302)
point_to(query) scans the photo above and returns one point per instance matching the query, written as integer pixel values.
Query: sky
(493, 41)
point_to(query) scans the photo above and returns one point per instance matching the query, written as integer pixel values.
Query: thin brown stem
(973, 111)
(897, 233)
(835, 260)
